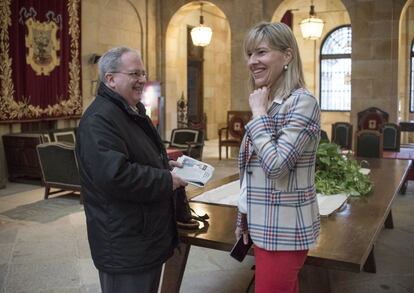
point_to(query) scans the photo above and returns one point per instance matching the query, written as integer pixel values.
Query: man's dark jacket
(126, 186)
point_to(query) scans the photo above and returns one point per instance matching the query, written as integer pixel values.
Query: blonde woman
(277, 205)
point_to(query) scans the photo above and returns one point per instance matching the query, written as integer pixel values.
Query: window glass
(335, 90)
(412, 78)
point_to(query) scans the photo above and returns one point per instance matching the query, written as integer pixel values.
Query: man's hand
(177, 181)
(174, 164)
(258, 101)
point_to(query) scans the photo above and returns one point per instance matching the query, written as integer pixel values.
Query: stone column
(244, 15)
(375, 31)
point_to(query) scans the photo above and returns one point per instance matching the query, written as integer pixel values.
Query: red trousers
(277, 271)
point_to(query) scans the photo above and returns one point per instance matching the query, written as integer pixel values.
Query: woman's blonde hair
(279, 37)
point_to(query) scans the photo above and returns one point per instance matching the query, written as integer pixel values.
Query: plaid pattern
(278, 155)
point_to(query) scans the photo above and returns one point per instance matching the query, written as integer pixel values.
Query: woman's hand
(241, 229)
(245, 233)
(258, 101)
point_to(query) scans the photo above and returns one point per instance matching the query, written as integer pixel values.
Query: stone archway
(406, 39)
(216, 68)
(334, 14)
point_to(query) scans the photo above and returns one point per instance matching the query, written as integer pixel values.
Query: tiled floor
(44, 248)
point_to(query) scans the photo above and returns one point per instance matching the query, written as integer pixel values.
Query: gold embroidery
(43, 46)
(20, 110)
(75, 98)
(7, 89)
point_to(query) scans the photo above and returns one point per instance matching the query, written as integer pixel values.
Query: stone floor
(44, 248)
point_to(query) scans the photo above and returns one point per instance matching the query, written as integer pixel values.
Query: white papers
(226, 194)
(229, 194)
(365, 171)
(193, 171)
(330, 203)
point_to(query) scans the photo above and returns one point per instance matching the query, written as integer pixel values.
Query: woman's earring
(285, 67)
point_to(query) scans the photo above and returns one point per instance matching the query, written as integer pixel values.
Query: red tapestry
(40, 74)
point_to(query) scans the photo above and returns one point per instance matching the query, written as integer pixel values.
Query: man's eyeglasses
(134, 74)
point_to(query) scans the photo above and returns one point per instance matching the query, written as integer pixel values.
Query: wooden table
(346, 241)
(21, 155)
(404, 154)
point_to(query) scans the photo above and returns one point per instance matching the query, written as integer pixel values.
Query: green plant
(336, 173)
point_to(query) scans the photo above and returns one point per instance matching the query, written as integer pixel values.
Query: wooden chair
(195, 123)
(64, 136)
(232, 135)
(59, 167)
(324, 136)
(407, 126)
(46, 137)
(369, 144)
(342, 134)
(391, 135)
(372, 118)
(189, 140)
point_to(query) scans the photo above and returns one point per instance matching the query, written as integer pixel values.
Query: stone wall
(374, 55)
(382, 34)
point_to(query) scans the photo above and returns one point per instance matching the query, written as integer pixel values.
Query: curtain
(40, 74)
(287, 18)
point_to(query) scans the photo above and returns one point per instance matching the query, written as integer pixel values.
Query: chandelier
(312, 26)
(201, 34)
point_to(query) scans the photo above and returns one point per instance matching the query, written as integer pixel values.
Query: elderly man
(126, 181)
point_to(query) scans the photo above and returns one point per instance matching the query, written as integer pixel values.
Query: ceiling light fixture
(201, 35)
(312, 26)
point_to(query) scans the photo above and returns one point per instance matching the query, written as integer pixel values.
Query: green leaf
(336, 173)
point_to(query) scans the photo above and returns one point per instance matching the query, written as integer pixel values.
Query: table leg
(403, 188)
(174, 269)
(389, 223)
(314, 279)
(370, 265)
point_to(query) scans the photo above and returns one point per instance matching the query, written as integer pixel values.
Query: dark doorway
(194, 80)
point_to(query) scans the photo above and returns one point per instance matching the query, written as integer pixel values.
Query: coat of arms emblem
(43, 46)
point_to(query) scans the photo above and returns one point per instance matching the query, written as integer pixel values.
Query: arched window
(335, 89)
(412, 78)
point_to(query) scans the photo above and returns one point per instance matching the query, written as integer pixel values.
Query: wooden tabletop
(403, 154)
(347, 237)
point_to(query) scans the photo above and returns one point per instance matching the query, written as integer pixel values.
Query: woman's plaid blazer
(277, 160)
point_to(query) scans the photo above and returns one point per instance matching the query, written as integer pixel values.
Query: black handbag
(186, 217)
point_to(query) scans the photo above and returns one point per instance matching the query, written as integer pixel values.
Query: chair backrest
(196, 151)
(369, 144)
(342, 134)
(372, 118)
(46, 137)
(324, 136)
(195, 123)
(236, 120)
(407, 126)
(180, 137)
(64, 136)
(58, 163)
(391, 134)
